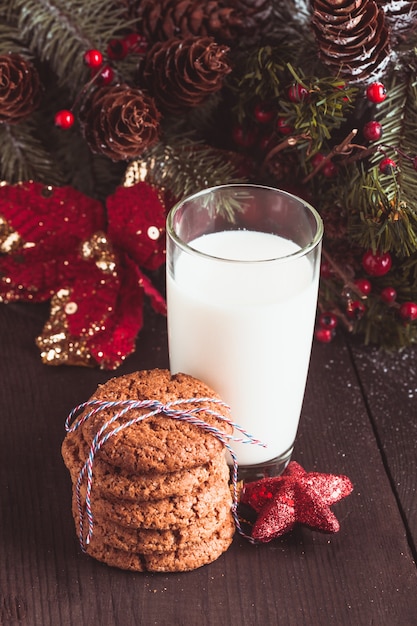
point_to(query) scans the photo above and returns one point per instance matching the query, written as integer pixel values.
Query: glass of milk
(242, 278)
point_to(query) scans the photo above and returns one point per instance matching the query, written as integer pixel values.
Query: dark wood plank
(374, 553)
(362, 575)
(389, 382)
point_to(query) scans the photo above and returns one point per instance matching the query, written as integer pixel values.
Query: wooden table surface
(359, 419)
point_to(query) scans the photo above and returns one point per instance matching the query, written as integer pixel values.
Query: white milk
(246, 330)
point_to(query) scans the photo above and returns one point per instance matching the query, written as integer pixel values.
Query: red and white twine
(155, 408)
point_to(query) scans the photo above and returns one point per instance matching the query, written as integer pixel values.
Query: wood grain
(351, 423)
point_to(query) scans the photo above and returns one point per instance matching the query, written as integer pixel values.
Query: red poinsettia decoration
(58, 244)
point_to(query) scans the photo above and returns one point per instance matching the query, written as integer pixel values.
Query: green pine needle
(186, 166)
(383, 207)
(380, 220)
(23, 156)
(59, 32)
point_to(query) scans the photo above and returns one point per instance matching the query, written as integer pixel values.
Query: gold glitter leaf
(99, 249)
(10, 240)
(55, 343)
(136, 172)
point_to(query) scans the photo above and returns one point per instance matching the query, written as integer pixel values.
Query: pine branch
(59, 33)
(290, 20)
(408, 277)
(379, 220)
(266, 76)
(322, 112)
(23, 156)
(380, 326)
(398, 117)
(10, 40)
(342, 148)
(185, 167)
(257, 75)
(383, 207)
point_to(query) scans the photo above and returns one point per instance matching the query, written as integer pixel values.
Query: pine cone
(182, 73)
(259, 16)
(20, 88)
(400, 16)
(166, 19)
(119, 122)
(352, 37)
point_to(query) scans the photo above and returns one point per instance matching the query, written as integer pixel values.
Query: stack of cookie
(160, 497)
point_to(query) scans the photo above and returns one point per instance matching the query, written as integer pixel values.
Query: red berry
(342, 86)
(106, 75)
(137, 43)
(117, 49)
(372, 131)
(317, 159)
(64, 119)
(263, 113)
(408, 311)
(93, 58)
(329, 169)
(355, 309)
(244, 137)
(132, 39)
(387, 166)
(376, 263)
(325, 335)
(364, 286)
(297, 93)
(388, 295)
(283, 127)
(326, 270)
(376, 93)
(328, 320)
(265, 143)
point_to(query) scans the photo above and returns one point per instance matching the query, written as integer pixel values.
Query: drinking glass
(242, 279)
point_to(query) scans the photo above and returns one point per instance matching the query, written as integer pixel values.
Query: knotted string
(156, 408)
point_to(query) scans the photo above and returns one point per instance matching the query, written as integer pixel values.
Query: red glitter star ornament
(294, 497)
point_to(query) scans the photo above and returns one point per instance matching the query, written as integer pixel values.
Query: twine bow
(174, 410)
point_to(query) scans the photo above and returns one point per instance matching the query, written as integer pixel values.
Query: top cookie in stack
(160, 496)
